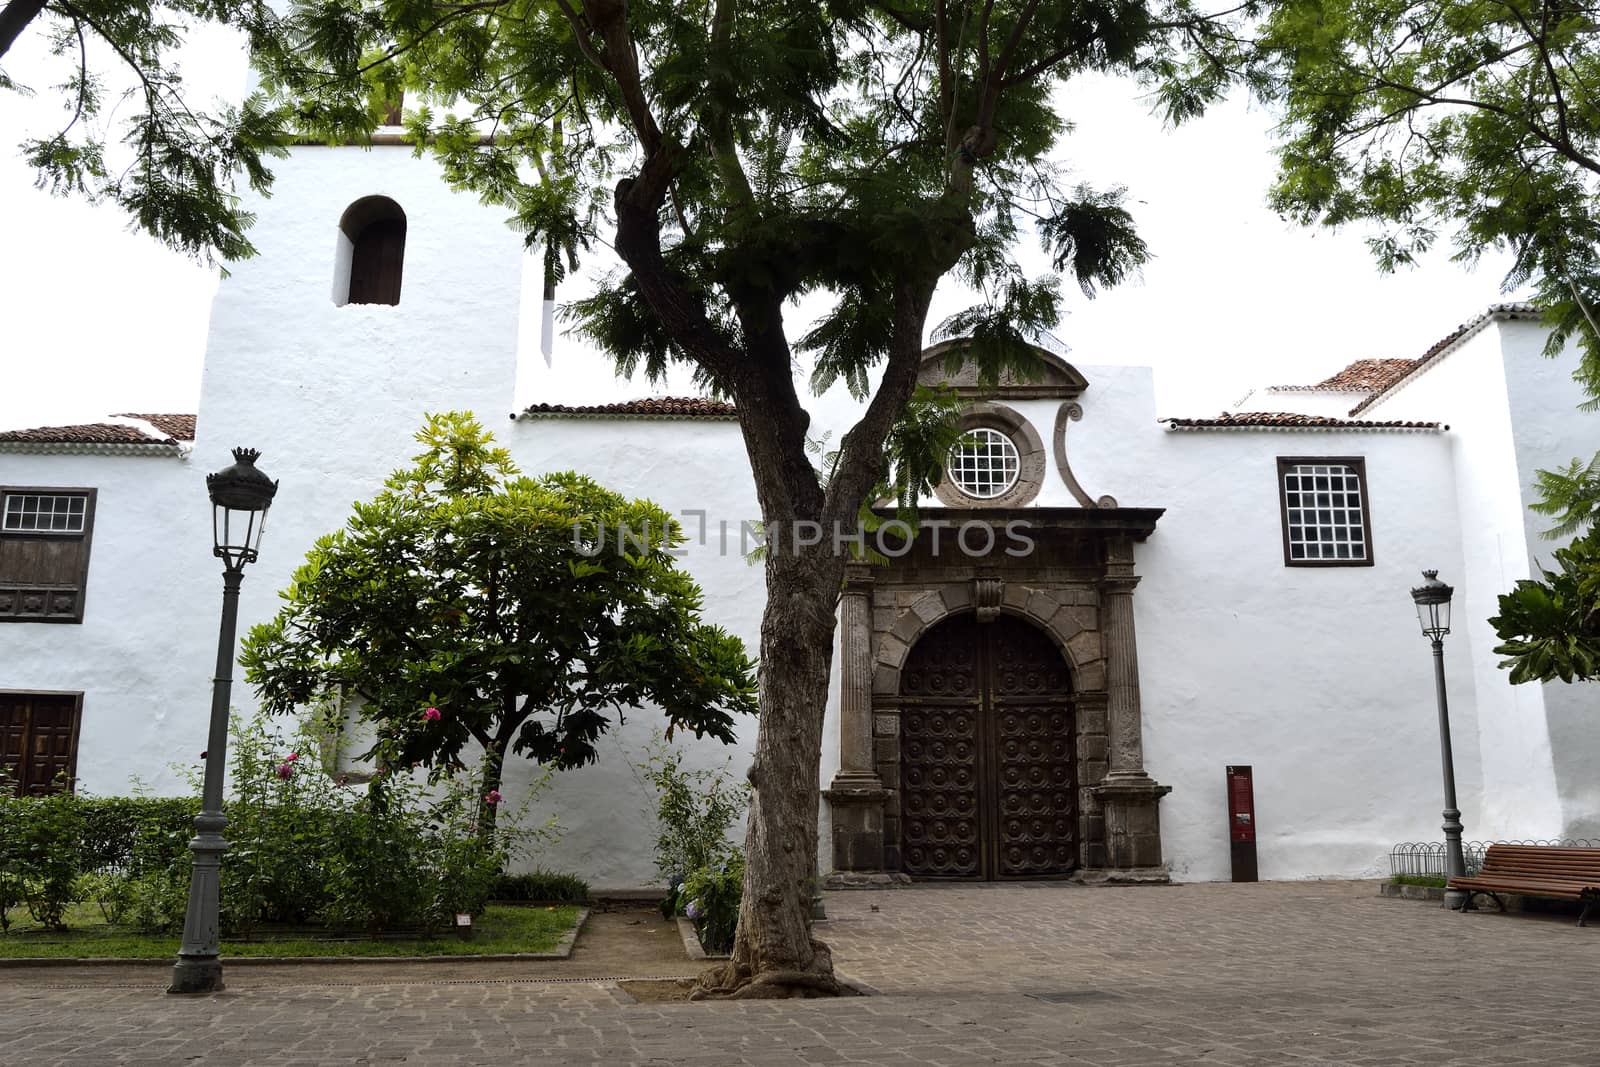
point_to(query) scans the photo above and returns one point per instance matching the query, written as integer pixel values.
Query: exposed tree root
(734, 980)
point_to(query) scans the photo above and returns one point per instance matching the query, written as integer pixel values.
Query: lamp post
(240, 495)
(1433, 612)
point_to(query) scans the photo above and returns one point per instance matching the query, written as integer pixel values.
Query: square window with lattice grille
(1323, 502)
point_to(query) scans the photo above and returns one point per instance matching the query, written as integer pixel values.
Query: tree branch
(14, 18)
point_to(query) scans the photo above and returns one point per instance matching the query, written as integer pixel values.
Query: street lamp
(1433, 612)
(240, 496)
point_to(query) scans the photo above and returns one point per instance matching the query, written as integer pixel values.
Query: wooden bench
(1536, 871)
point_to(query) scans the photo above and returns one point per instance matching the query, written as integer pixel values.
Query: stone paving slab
(1278, 973)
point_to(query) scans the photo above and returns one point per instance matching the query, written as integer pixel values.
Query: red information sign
(1242, 823)
(1241, 805)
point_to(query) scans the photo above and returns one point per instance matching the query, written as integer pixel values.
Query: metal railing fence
(1425, 859)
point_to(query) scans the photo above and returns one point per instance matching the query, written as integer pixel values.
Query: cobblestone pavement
(1277, 973)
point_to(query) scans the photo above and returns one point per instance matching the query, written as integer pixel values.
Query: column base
(1132, 821)
(856, 800)
(197, 974)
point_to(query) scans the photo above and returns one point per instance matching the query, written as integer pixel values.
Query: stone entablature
(1075, 584)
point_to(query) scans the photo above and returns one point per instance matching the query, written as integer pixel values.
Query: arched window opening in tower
(372, 249)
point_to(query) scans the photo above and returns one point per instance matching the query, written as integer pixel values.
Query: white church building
(1197, 593)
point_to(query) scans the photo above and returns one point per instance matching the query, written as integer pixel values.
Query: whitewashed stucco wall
(1316, 677)
(1549, 430)
(1467, 387)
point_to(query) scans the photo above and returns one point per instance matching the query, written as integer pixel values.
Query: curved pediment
(1056, 378)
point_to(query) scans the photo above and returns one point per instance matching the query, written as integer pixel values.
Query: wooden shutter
(376, 262)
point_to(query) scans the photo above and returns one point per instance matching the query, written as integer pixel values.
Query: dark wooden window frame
(86, 537)
(77, 726)
(1355, 463)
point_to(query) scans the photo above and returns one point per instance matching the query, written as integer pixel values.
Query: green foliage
(305, 849)
(1570, 495)
(40, 862)
(1432, 880)
(177, 169)
(525, 611)
(1549, 627)
(1459, 115)
(694, 811)
(115, 829)
(540, 887)
(711, 896)
(497, 930)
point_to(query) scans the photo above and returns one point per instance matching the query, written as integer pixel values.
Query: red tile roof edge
(663, 407)
(1357, 376)
(90, 433)
(1288, 420)
(177, 426)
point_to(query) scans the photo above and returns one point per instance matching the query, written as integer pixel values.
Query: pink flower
(286, 771)
(293, 756)
(430, 715)
(492, 797)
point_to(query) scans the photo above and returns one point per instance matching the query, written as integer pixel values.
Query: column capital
(858, 579)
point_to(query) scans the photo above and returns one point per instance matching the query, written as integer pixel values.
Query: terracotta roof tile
(178, 427)
(1361, 376)
(665, 407)
(1514, 310)
(1367, 375)
(94, 433)
(1292, 421)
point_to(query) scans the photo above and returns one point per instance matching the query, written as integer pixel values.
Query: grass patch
(1434, 880)
(499, 929)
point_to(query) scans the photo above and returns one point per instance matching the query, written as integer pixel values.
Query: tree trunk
(774, 954)
(493, 770)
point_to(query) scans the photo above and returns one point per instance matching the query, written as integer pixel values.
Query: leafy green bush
(46, 846)
(303, 848)
(694, 811)
(541, 887)
(711, 901)
(114, 828)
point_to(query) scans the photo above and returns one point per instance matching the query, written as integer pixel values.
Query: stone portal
(996, 775)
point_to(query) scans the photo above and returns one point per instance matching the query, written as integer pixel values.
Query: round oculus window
(984, 464)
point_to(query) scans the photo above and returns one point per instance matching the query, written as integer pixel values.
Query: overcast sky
(98, 320)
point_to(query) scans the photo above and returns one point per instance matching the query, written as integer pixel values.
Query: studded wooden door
(986, 754)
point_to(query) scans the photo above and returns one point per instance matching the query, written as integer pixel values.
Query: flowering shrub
(712, 897)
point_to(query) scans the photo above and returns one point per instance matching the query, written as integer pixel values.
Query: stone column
(856, 796)
(1128, 795)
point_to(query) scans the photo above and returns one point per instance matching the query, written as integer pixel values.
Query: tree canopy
(174, 166)
(468, 604)
(1472, 120)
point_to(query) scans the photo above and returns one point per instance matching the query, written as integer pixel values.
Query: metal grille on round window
(1323, 502)
(984, 464)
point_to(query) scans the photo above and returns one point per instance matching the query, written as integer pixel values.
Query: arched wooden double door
(987, 775)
